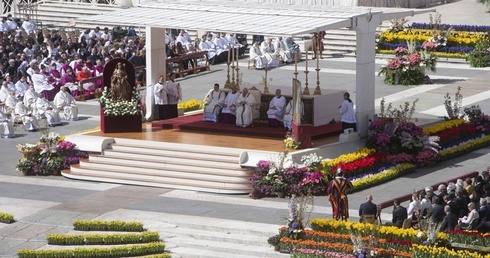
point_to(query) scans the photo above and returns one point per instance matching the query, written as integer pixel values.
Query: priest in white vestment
(21, 86)
(269, 51)
(65, 101)
(30, 96)
(28, 25)
(41, 84)
(6, 127)
(244, 112)
(26, 116)
(10, 103)
(46, 109)
(161, 99)
(283, 51)
(228, 113)
(276, 110)
(258, 56)
(4, 92)
(214, 102)
(288, 116)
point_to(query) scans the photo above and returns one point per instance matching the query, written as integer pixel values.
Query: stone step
(123, 168)
(170, 154)
(228, 236)
(189, 252)
(236, 171)
(174, 160)
(173, 183)
(224, 249)
(222, 151)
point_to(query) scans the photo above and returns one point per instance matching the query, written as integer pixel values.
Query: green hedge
(103, 239)
(6, 217)
(100, 225)
(106, 252)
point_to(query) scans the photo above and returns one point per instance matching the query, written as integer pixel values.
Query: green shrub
(480, 56)
(103, 239)
(100, 225)
(118, 251)
(6, 218)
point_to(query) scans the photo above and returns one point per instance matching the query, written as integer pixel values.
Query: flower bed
(49, 156)
(346, 239)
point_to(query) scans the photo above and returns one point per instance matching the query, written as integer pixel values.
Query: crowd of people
(41, 71)
(461, 205)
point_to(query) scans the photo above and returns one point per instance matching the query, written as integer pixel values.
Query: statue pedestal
(120, 124)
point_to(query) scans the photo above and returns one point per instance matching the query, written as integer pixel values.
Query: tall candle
(306, 60)
(229, 56)
(295, 65)
(237, 58)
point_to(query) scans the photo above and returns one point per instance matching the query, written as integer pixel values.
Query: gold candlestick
(237, 79)
(306, 91)
(295, 68)
(266, 90)
(317, 91)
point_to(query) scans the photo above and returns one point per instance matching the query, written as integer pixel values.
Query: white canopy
(245, 16)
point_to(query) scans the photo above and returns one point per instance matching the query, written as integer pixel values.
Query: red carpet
(195, 123)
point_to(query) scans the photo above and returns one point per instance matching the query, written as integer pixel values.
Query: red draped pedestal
(302, 133)
(120, 124)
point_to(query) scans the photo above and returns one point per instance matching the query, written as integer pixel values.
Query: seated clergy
(244, 110)
(214, 102)
(41, 84)
(283, 51)
(6, 127)
(4, 92)
(65, 101)
(10, 103)
(45, 108)
(26, 117)
(21, 86)
(30, 96)
(228, 113)
(258, 56)
(288, 116)
(277, 108)
(70, 81)
(267, 48)
(85, 74)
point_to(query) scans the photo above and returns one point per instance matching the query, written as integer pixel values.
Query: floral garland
(120, 108)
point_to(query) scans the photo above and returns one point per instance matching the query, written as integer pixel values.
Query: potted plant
(274, 241)
(26, 167)
(54, 166)
(280, 187)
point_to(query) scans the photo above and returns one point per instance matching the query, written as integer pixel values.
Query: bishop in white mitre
(26, 117)
(276, 110)
(244, 111)
(65, 101)
(214, 102)
(6, 127)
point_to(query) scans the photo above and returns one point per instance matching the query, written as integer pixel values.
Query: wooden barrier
(193, 59)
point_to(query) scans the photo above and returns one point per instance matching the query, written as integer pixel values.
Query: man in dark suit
(449, 221)
(436, 214)
(399, 213)
(368, 208)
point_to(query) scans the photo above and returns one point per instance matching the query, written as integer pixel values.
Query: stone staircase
(49, 15)
(167, 165)
(209, 241)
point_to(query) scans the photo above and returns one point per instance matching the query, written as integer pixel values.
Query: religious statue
(120, 87)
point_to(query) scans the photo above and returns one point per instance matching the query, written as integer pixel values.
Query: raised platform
(195, 123)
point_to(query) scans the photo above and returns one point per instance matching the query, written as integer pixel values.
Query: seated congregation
(462, 205)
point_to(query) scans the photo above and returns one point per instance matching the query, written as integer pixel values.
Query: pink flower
(400, 51)
(429, 45)
(394, 64)
(414, 59)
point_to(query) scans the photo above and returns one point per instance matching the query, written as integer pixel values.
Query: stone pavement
(44, 205)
